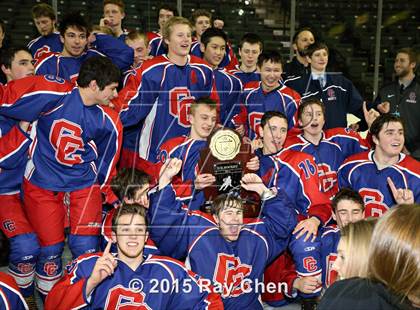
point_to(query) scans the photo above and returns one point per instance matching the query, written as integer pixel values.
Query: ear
(5, 70)
(93, 85)
(202, 48)
(61, 39)
(308, 59)
(334, 216)
(261, 131)
(375, 140)
(114, 237)
(190, 117)
(122, 15)
(166, 41)
(216, 219)
(294, 47)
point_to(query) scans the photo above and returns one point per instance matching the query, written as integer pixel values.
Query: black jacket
(338, 95)
(361, 294)
(407, 104)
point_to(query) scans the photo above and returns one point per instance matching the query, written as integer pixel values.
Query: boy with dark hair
(15, 139)
(348, 207)
(250, 47)
(201, 20)
(77, 144)
(129, 279)
(329, 147)
(336, 92)
(130, 186)
(44, 19)
(16, 63)
(296, 172)
(226, 252)
(74, 33)
(218, 22)
(371, 173)
(228, 87)
(157, 45)
(268, 95)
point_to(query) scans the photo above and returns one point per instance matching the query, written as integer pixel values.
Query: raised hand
(104, 267)
(171, 168)
(370, 115)
(252, 182)
(401, 196)
(384, 107)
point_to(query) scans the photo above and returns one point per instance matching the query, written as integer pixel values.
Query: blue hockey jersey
(334, 147)
(68, 67)
(158, 283)
(156, 101)
(360, 173)
(234, 268)
(45, 44)
(76, 146)
(14, 144)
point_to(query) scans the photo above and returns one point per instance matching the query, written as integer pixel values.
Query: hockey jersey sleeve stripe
(13, 143)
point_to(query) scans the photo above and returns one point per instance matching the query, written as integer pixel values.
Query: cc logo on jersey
(374, 202)
(230, 272)
(327, 177)
(179, 104)
(65, 138)
(41, 51)
(331, 274)
(122, 298)
(255, 121)
(309, 263)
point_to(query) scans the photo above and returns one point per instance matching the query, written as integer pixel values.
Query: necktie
(321, 81)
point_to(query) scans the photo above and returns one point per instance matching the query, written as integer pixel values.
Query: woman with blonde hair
(393, 273)
(352, 250)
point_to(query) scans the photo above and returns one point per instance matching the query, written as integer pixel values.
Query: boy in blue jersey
(250, 47)
(129, 280)
(16, 63)
(44, 19)
(369, 173)
(329, 147)
(221, 247)
(229, 88)
(165, 12)
(156, 99)
(76, 148)
(202, 20)
(268, 95)
(75, 33)
(348, 207)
